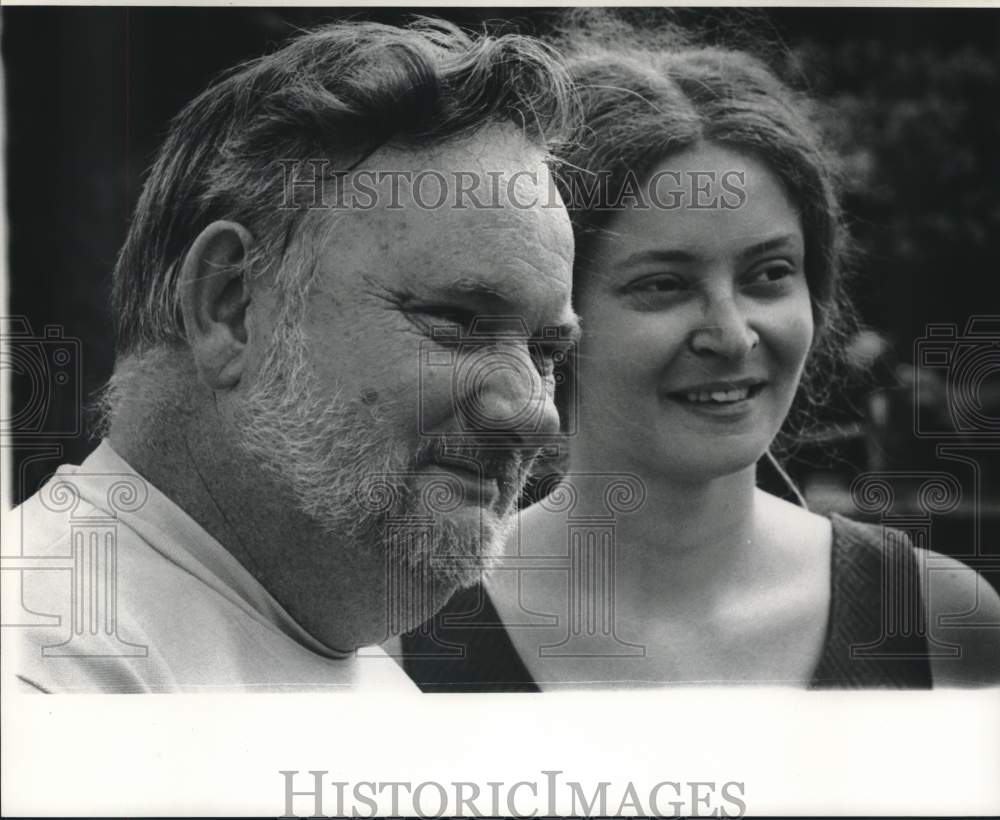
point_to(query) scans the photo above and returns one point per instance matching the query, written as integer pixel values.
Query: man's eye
(445, 314)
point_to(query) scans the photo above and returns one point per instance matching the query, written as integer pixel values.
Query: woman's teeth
(719, 396)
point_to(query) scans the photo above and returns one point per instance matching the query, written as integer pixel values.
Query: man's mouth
(490, 478)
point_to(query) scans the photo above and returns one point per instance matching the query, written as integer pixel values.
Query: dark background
(912, 99)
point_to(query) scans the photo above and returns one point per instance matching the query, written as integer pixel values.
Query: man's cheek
(438, 396)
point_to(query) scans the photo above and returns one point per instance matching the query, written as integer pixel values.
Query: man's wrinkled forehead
(467, 208)
(495, 169)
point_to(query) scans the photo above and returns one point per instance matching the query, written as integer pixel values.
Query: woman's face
(696, 318)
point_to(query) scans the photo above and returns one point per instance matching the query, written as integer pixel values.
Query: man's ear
(214, 299)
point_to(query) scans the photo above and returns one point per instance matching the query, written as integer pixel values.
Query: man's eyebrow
(480, 294)
(490, 301)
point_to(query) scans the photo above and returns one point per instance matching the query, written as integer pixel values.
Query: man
(328, 390)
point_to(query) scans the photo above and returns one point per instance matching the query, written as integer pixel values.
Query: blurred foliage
(918, 130)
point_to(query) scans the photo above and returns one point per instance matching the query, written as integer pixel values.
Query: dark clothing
(465, 647)
(875, 582)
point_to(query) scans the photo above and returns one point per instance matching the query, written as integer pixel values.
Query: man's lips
(475, 486)
(490, 479)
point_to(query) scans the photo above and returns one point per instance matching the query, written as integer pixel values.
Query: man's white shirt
(129, 594)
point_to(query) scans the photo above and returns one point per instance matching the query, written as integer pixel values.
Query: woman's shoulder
(964, 617)
(961, 615)
(793, 526)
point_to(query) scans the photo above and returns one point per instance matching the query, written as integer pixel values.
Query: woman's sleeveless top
(876, 632)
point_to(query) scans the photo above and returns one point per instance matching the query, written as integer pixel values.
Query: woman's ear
(214, 300)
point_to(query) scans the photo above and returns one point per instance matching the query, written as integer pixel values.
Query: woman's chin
(712, 461)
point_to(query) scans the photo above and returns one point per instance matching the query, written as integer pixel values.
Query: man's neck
(195, 462)
(163, 449)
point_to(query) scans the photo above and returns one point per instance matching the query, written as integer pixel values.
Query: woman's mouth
(717, 396)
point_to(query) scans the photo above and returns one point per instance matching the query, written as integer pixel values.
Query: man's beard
(351, 476)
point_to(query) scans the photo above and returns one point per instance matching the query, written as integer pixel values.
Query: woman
(708, 277)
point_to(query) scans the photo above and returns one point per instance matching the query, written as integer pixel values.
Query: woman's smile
(727, 400)
(697, 325)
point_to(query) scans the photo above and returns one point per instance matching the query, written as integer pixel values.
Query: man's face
(392, 431)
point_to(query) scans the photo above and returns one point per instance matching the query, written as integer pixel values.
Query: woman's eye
(656, 284)
(771, 273)
(656, 292)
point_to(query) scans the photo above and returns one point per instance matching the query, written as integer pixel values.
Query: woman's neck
(687, 540)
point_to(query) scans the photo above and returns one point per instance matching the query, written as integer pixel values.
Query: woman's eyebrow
(657, 255)
(787, 241)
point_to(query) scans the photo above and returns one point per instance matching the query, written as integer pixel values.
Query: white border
(798, 753)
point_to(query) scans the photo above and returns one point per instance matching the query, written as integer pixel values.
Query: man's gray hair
(337, 93)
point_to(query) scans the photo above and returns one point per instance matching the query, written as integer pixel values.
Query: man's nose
(725, 328)
(503, 391)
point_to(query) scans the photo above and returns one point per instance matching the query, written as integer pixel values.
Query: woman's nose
(725, 329)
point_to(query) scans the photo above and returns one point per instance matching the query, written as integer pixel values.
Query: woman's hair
(643, 104)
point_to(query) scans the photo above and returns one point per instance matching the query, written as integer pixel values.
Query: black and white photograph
(432, 381)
